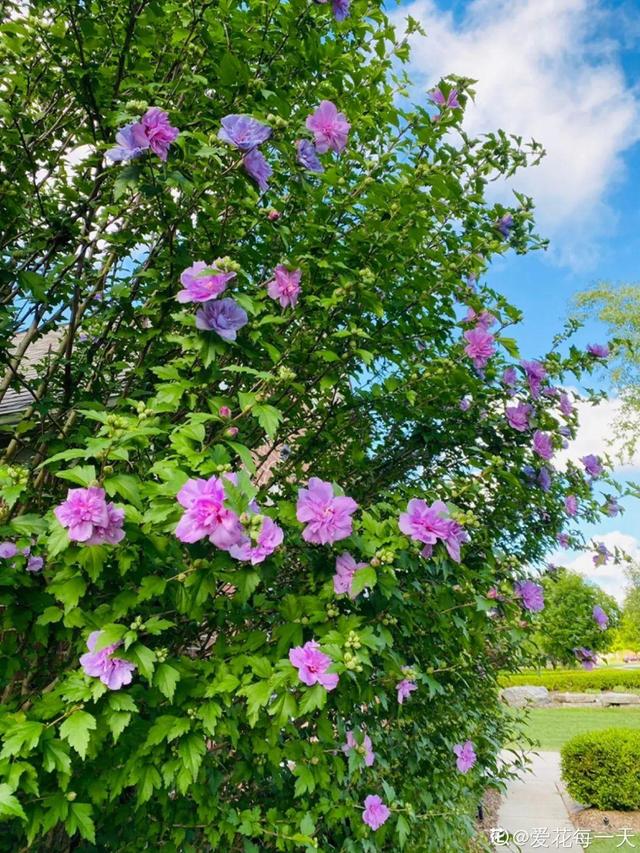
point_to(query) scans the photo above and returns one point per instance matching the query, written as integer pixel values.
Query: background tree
(628, 634)
(356, 346)
(568, 622)
(619, 308)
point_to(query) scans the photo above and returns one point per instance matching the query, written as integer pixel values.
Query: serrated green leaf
(365, 577)
(76, 731)
(126, 486)
(9, 803)
(165, 679)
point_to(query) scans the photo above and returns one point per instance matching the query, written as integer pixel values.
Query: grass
(612, 845)
(552, 727)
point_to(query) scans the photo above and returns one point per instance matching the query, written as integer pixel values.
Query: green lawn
(552, 727)
(612, 845)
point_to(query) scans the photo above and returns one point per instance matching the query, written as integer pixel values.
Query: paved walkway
(534, 813)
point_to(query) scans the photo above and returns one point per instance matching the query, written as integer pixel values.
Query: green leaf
(92, 559)
(80, 820)
(68, 589)
(126, 486)
(9, 804)
(109, 635)
(247, 401)
(402, 830)
(29, 524)
(117, 722)
(144, 658)
(76, 731)
(165, 679)
(49, 615)
(21, 736)
(58, 539)
(191, 750)
(245, 455)
(365, 577)
(55, 756)
(84, 475)
(151, 586)
(148, 781)
(258, 695)
(314, 697)
(268, 417)
(35, 283)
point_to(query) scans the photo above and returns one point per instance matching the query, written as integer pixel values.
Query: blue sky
(566, 72)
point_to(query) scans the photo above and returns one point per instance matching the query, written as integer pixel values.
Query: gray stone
(520, 697)
(611, 698)
(574, 698)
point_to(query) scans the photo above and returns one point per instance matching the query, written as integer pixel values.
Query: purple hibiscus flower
(114, 672)
(346, 568)
(602, 555)
(7, 550)
(285, 285)
(518, 416)
(327, 517)
(158, 131)
(307, 157)
(612, 507)
(89, 518)
(586, 657)
(206, 515)
(404, 689)
(566, 405)
(505, 224)
(465, 756)
(223, 316)
(267, 541)
(542, 444)
(312, 665)
(531, 595)
(510, 377)
(600, 617)
(375, 812)
(598, 350)
(535, 373)
(366, 749)
(592, 465)
(449, 101)
(329, 127)
(480, 346)
(202, 281)
(571, 505)
(544, 479)
(243, 131)
(256, 166)
(131, 142)
(34, 564)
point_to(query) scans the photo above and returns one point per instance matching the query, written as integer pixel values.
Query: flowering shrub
(298, 468)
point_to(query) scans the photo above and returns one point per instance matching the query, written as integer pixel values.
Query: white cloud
(609, 577)
(597, 434)
(544, 70)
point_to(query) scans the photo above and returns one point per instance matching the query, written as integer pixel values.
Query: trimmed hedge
(601, 769)
(575, 680)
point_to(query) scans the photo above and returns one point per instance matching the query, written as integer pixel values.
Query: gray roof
(15, 401)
